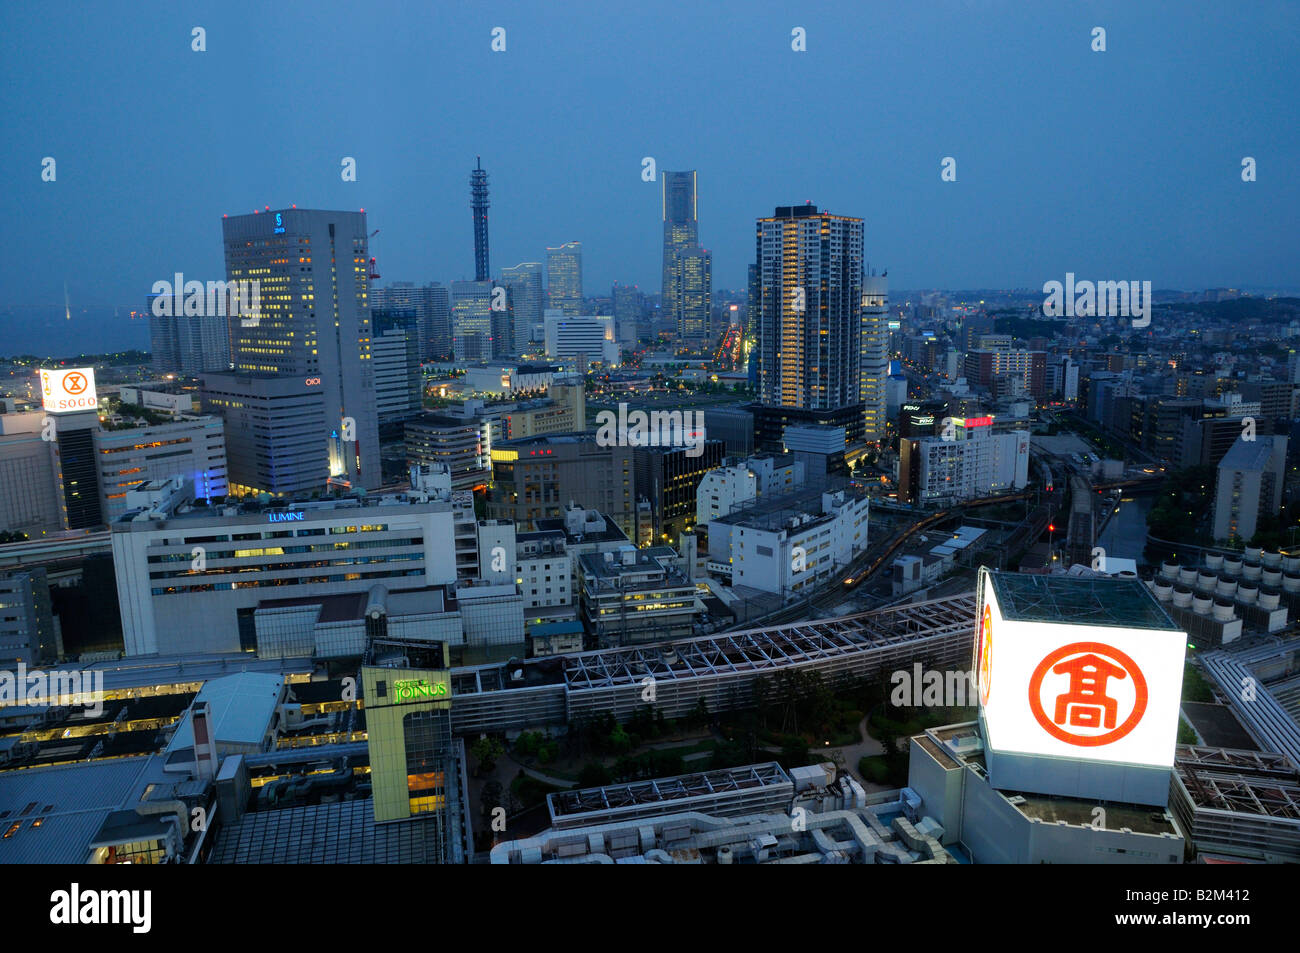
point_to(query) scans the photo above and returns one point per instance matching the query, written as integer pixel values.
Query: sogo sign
(1083, 692)
(68, 390)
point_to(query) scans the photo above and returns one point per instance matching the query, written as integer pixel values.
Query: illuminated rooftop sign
(68, 389)
(1057, 679)
(285, 516)
(417, 688)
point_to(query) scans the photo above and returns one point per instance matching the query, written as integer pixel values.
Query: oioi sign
(1082, 692)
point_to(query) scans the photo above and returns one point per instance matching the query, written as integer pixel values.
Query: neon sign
(284, 517)
(413, 688)
(279, 223)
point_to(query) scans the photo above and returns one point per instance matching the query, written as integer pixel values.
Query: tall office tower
(809, 322)
(525, 283)
(186, 345)
(693, 287)
(875, 357)
(314, 324)
(478, 189)
(397, 364)
(437, 335)
(681, 231)
(471, 320)
(564, 278)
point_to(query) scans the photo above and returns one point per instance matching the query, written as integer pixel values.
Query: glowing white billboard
(64, 390)
(1099, 693)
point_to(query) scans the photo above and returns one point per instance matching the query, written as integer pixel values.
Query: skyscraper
(478, 187)
(808, 318)
(432, 306)
(185, 344)
(471, 320)
(681, 231)
(564, 278)
(314, 325)
(692, 279)
(875, 355)
(397, 364)
(525, 283)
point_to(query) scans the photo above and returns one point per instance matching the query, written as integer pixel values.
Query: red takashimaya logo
(1088, 694)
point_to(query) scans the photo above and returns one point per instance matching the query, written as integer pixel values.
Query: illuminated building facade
(809, 319)
(535, 478)
(471, 320)
(189, 578)
(692, 274)
(312, 267)
(193, 448)
(975, 462)
(633, 596)
(681, 232)
(564, 278)
(875, 357)
(415, 764)
(272, 429)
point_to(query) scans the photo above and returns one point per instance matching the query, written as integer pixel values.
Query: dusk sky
(1117, 165)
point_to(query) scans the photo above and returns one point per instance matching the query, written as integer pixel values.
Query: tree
(490, 796)
(593, 775)
(486, 750)
(794, 751)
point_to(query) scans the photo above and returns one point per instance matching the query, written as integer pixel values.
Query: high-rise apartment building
(187, 345)
(564, 278)
(875, 357)
(1249, 486)
(807, 305)
(313, 327)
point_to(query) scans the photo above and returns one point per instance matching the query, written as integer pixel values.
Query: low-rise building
(788, 543)
(633, 596)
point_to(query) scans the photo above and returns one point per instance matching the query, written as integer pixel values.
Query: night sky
(1117, 165)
